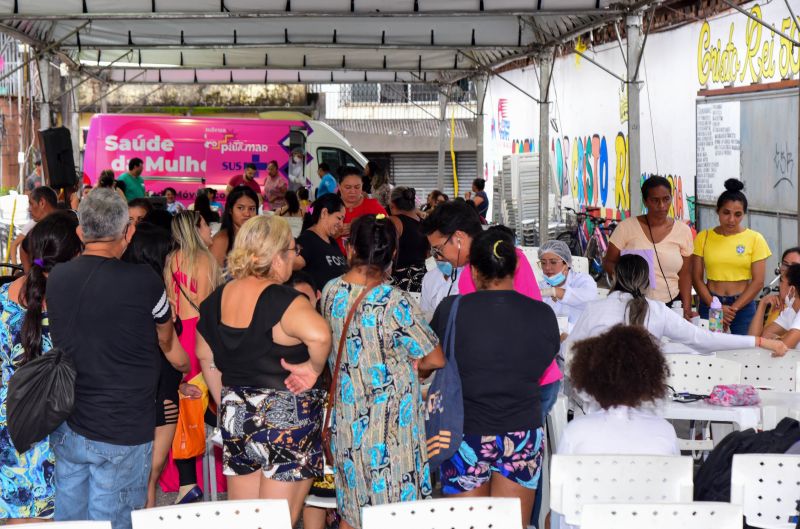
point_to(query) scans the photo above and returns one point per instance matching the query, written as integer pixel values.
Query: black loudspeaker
(57, 159)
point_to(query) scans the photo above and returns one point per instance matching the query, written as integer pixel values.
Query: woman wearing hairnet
(566, 291)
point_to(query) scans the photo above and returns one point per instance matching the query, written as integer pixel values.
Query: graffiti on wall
(679, 197)
(519, 146)
(752, 61)
(583, 170)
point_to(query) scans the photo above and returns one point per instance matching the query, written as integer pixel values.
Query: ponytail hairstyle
(493, 254)
(52, 241)
(404, 198)
(373, 239)
(732, 193)
(632, 276)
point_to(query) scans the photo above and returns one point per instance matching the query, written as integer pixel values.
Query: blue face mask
(555, 280)
(445, 268)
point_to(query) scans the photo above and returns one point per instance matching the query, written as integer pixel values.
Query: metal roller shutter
(418, 170)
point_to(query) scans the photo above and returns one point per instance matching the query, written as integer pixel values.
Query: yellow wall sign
(757, 58)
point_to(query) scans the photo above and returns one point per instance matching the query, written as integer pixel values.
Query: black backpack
(713, 480)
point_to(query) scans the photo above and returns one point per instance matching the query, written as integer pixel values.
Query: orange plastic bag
(190, 434)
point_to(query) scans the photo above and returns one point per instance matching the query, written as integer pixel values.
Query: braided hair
(52, 241)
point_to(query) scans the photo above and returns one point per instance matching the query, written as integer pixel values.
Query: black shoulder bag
(41, 393)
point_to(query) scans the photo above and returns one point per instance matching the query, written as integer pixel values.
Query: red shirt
(240, 180)
(368, 206)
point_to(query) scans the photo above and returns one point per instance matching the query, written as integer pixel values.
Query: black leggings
(187, 471)
(187, 468)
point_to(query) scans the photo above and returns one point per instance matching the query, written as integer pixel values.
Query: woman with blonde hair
(191, 274)
(262, 346)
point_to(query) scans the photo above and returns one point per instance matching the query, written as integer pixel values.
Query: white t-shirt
(788, 319)
(618, 430)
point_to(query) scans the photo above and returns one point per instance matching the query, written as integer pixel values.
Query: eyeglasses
(437, 251)
(296, 249)
(550, 262)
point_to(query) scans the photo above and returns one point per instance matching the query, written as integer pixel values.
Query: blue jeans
(741, 322)
(99, 481)
(549, 394)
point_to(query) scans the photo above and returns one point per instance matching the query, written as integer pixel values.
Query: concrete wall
(588, 117)
(222, 95)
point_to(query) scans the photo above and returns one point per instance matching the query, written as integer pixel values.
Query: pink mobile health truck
(187, 153)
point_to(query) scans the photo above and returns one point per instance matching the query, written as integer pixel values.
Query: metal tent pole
(480, 95)
(443, 97)
(633, 26)
(545, 75)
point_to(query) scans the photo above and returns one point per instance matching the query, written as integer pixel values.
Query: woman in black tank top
(413, 247)
(262, 347)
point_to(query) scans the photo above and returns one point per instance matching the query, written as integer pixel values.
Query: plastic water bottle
(715, 315)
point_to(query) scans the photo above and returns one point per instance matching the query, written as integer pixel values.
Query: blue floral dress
(378, 424)
(27, 487)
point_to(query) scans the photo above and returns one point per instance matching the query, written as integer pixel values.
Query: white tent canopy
(307, 41)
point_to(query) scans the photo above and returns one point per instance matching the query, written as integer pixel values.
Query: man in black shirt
(111, 317)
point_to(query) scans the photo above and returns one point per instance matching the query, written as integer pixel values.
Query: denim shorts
(515, 455)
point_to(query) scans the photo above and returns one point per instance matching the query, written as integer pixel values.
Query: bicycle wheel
(571, 241)
(595, 257)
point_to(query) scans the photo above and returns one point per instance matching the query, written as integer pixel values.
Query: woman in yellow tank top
(734, 259)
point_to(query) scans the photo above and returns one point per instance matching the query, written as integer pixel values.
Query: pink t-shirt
(524, 283)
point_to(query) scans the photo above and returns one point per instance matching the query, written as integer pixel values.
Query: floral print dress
(27, 482)
(378, 426)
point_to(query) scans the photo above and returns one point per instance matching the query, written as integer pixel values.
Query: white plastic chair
(242, 514)
(767, 486)
(578, 480)
(557, 420)
(82, 524)
(532, 254)
(761, 370)
(699, 374)
(450, 513)
(695, 515)
(580, 264)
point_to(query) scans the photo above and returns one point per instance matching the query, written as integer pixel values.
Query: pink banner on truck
(185, 153)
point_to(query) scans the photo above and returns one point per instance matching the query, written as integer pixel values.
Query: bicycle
(592, 246)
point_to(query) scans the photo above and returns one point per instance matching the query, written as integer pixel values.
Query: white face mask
(788, 301)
